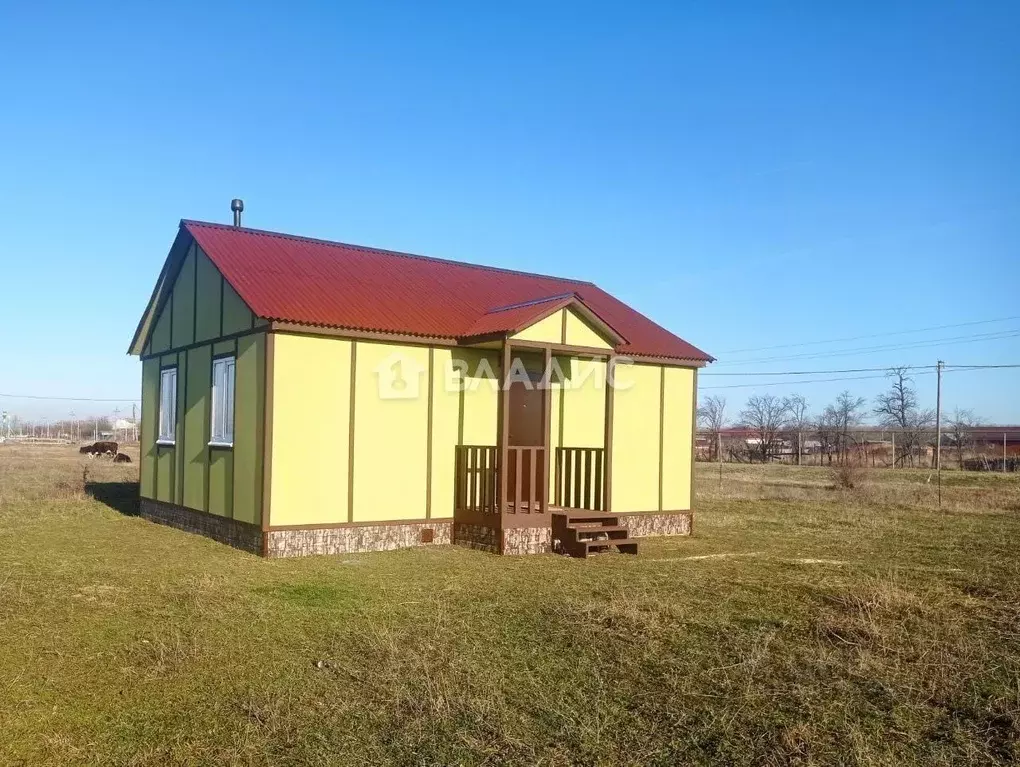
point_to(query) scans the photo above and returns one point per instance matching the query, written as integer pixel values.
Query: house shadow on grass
(119, 496)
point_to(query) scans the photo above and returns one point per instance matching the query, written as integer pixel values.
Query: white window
(223, 401)
(168, 405)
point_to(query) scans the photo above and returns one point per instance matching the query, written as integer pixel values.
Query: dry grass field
(801, 625)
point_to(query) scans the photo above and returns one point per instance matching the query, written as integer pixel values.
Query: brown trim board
(379, 523)
(667, 361)
(182, 411)
(503, 432)
(428, 439)
(297, 328)
(564, 350)
(350, 435)
(267, 436)
(207, 342)
(608, 434)
(654, 513)
(694, 440)
(546, 425)
(662, 427)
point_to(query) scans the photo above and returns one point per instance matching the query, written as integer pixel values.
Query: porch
(516, 496)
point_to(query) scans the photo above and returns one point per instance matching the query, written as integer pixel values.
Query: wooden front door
(526, 425)
(526, 422)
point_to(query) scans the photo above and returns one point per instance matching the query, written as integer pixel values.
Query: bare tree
(712, 419)
(765, 415)
(797, 421)
(897, 409)
(958, 432)
(836, 421)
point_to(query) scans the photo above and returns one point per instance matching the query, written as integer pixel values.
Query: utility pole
(938, 426)
(1003, 452)
(718, 454)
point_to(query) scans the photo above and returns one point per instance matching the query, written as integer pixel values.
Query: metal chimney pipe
(237, 206)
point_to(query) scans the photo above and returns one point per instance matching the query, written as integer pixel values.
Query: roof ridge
(383, 251)
(531, 302)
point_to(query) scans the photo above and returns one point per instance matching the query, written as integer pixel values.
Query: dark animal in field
(122, 458)
(100, 448)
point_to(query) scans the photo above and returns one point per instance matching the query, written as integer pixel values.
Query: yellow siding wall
(583, 403)
(311, 429)
(480, 398)
(445, 417)
(311, 411)
(580, 333)
(555, 433)
(636, 438)
(549, 330)
(677, 422)
(390, 433)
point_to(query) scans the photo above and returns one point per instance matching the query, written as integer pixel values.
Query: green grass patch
(864, 628)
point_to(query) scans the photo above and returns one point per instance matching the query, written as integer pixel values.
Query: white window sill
(221, 444)
(166, 442)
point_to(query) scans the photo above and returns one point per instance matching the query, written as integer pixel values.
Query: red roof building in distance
(312, 282)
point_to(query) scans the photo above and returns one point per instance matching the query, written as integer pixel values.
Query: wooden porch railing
(477, 478)
(580, 478)
(526, 480)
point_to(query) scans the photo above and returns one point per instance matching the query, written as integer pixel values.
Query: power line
(871, 335)
(921, 368)
(67, 399)
(949, 341)
(887, 368)
(814, 380)
(962, 368)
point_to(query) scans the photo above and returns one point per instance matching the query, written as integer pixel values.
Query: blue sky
(748, 174)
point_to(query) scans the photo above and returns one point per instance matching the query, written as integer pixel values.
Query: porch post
(502, 427)
(546, 424)
(607, 487)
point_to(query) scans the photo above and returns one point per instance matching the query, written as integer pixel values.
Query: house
(308, 397)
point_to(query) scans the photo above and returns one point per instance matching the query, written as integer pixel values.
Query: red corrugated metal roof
(315, 282)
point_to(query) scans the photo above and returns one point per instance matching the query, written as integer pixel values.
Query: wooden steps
(580, 533)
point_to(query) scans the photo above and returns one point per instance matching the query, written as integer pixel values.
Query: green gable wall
(160, 339)
(207, 297)
(182, 322)
(200, 318)
(149, 426)
(201, 306)
(249, 406)
(196, 416)
(221, 482)
(236, 315)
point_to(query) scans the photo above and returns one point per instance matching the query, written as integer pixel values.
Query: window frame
(224, 438)
(167, 438)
